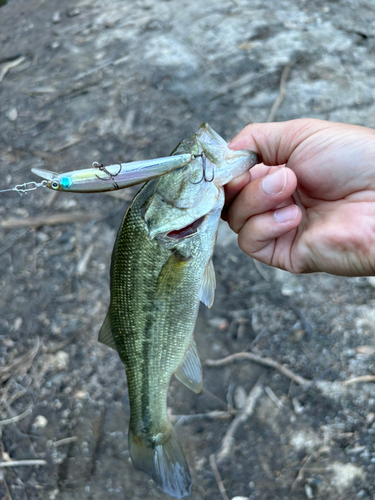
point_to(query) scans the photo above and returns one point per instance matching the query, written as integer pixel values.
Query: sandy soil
(123, 80)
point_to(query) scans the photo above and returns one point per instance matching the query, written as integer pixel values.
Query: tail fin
(165, 463)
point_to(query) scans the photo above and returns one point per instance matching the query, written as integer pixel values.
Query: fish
(161, 269)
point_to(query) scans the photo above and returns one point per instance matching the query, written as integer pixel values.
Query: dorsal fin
(106, 335)
(189, 371)
(208, 285)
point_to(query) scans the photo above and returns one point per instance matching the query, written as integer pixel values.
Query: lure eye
(55, 185)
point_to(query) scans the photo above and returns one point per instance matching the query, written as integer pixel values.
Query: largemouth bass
(161, 269)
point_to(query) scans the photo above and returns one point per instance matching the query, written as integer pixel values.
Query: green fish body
(161, 269)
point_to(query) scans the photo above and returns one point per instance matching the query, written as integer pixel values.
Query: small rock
(8, 343)
(220, 323)
(370, 417)
(350, 353)
(72, 12)
(12, 114)
(345, 475)
(298, 408)
(80, 395)
(53, 495)
(56, 18)
(308, 491)
(365, 350)
(40, 422)
(17, 323)
(239, 397)
(60, 360)
(240, 498)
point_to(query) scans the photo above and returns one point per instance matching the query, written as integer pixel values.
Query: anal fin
(106, 335)
(189, 371)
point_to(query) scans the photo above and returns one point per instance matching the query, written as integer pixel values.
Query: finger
(235, 186)
(238, 183)
(268, 237)
(261, 195)
(276, 142)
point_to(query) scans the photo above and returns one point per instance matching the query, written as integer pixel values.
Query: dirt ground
(121, 80)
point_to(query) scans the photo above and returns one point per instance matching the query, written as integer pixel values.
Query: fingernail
(275, 183)
(286, 214)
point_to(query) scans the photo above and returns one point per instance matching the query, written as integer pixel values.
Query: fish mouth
(186, 231)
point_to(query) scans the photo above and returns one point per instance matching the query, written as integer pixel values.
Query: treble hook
(204, 170)
(102, 168)
(27, 186)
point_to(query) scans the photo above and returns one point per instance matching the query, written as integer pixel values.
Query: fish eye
(55, 185)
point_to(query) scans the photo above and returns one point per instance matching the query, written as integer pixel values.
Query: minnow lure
(100, 178)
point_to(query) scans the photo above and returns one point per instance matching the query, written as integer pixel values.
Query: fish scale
(161, 269)
(151, 335)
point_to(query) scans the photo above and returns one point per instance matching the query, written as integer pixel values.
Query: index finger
(276, 142)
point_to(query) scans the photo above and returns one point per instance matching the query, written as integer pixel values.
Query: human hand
(310, 206)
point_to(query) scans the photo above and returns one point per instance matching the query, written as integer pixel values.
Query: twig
(6, 489)
(248, 410)
(71, 142)
(262, 361)
(11, 64)
(23, 361)
(273, 397)
(9, 245)
(280, 97)
(115, 62)
(67, 440)
(357, 380)
(83, 262)
(211, 415)
(50, 220)
(21, 463)
(219, 481)
(299, 476)
(15, 419)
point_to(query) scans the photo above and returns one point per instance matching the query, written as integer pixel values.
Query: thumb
(275, 143)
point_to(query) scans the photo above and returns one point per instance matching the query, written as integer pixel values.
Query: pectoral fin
(106, 335)
(171, 275)
(208, 285)
(190, 370)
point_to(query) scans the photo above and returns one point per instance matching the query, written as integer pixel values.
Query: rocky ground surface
(122, 80)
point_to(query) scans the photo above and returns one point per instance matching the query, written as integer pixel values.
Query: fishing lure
(100, 178)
